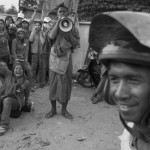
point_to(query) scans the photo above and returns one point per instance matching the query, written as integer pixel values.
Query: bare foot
(3, 130)
(50, 114)
(66, 114)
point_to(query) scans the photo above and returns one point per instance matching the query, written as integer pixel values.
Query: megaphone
(65, 24)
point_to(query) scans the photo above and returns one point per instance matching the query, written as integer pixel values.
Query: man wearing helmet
(12, 34)
(125, 51)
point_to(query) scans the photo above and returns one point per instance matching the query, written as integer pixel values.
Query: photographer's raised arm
(33, 16)
(31, 38)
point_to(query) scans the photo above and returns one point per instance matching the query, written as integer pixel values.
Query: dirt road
(94, 127)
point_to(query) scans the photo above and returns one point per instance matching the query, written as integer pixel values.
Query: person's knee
(28, 69)
(6, 101)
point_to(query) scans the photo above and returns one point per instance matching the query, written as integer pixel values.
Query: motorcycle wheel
(85, 80)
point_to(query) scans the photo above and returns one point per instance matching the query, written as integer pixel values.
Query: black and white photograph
(74, 74)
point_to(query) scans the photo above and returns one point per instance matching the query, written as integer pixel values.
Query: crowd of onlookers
(34, 52)
(24, 62)
(25, 41)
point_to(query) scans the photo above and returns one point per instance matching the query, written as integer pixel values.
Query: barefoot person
(60, 63)
(122, 38)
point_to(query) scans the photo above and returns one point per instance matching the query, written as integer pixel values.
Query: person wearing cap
(20, 48)
(15, 95)
(20, 17)
(45, 22)
(4, 47)
(12, 30)
(26, 26)
(122, 40)
(60, 65)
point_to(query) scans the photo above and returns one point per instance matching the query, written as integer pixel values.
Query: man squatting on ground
(60, 63)
(123, 40)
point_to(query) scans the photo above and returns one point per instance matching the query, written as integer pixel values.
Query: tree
(89, 8)
(2, 8)
(12, 10)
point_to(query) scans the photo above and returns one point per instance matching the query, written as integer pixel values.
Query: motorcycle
(89, 75)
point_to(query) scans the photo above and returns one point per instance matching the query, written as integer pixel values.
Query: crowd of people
(30, 59)
(20, 44)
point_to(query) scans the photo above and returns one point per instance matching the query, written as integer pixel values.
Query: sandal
(66, 114)
(3, 130)
(50, 114)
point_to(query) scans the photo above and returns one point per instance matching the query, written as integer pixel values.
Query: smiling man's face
(130, 88)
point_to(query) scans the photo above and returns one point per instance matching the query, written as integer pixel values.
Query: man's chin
(130, 117)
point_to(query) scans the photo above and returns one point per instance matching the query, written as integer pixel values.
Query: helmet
(25, 20)
(121, 35)
(12, 26)
(20, 15)
(47, 19)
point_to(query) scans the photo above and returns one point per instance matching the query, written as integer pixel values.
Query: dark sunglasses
(45, 22)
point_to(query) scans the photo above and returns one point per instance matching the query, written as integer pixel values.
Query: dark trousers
(43, 68)
(7, 106)
(5, 59)
(35, 65)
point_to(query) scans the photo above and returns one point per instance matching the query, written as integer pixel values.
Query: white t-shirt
(126, 139)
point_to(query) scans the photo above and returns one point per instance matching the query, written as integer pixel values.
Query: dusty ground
(94, 127)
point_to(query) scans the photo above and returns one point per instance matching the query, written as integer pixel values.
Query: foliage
(2, 8)
(30, 4)
(12, 10)
(89, 8)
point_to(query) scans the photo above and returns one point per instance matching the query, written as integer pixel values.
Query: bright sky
(8, 3)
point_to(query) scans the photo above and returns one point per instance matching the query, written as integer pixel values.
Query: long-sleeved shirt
(20, 50)
(37, 39)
